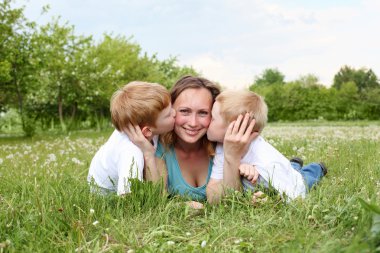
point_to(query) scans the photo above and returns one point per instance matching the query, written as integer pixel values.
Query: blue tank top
(176, 183)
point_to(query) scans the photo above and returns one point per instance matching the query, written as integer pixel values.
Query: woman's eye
(184, 111)
(203, 113)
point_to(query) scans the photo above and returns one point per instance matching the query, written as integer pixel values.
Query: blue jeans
(311, 173)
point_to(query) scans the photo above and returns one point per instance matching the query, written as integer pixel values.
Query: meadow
(46, 206)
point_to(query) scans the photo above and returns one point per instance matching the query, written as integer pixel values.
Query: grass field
(45, 204)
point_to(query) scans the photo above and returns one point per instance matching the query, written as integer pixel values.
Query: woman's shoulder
(163, 151)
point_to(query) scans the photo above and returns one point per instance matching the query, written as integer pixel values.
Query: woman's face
(193, 114)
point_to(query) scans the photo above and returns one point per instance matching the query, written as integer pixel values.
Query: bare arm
(151, 172)
(162, 171)
(238, 137)
(214, 190)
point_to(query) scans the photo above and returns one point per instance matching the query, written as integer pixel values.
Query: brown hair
(138, 103)
(191, 82)
(234, 103)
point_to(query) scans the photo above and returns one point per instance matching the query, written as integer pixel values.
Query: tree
(16, 61)
(309, 80)
(58, 52)
(269, 77)
(363, 78)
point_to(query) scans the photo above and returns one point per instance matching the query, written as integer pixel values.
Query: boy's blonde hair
(234, 103)
(138, 103)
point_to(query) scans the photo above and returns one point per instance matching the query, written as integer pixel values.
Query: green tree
(58, 51)
(269, 77)
(16, 62)
(309, 80)
(363, 78)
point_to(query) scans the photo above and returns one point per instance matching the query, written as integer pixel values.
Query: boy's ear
(146, 132)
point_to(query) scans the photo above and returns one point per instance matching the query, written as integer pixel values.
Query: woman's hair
(191, 82)
(138, 103)
(234, 103)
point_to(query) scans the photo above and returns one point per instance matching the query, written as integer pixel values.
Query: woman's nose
(193, 120)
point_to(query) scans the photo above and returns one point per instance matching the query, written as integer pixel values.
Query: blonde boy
(273, 168)
(146, 105)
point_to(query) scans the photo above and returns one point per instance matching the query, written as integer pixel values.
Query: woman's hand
(249, 172)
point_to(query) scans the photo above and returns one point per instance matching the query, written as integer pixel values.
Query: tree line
(354, 95)
(52, 78)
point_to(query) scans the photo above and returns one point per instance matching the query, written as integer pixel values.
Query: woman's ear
(146, 132)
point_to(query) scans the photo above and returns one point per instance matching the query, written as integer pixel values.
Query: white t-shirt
(117, 161)
(274, 168)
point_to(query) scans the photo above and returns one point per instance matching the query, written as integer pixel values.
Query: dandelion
(238, 241)
(170, 243)
(95, 223)
(188, 234)
(76, 161)
(203, 244)
(52, 158)
(9, 156)
(1, 161)
(92, 211)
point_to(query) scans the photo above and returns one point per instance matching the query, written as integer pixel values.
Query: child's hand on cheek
(137, 137)
(239, 136)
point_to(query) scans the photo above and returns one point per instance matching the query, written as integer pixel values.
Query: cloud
(233, 41)
(227, 72)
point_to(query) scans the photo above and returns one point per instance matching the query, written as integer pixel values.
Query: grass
(45, 204)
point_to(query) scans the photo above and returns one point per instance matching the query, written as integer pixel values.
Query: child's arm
(238, 137)
(249, 172)
(150, 168)
(214, 190)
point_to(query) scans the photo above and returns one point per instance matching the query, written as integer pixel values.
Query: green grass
(45, 204)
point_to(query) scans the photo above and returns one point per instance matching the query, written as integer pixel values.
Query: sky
(231, 41)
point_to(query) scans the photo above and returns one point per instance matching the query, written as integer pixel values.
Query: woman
(185, 154)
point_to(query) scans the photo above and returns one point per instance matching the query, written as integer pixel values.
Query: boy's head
(229, 105)
(144, 104)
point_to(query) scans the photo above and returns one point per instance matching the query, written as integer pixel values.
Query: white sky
(231, 41)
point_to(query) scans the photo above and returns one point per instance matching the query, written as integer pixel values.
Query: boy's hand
(136, 136)
(249, 172)
(236, 142)
(239, 136)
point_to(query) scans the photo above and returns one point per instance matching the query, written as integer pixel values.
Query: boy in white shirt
(146, 105)
(261, 159)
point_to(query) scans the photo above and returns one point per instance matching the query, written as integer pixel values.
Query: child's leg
(312, 173)
(247, 185)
